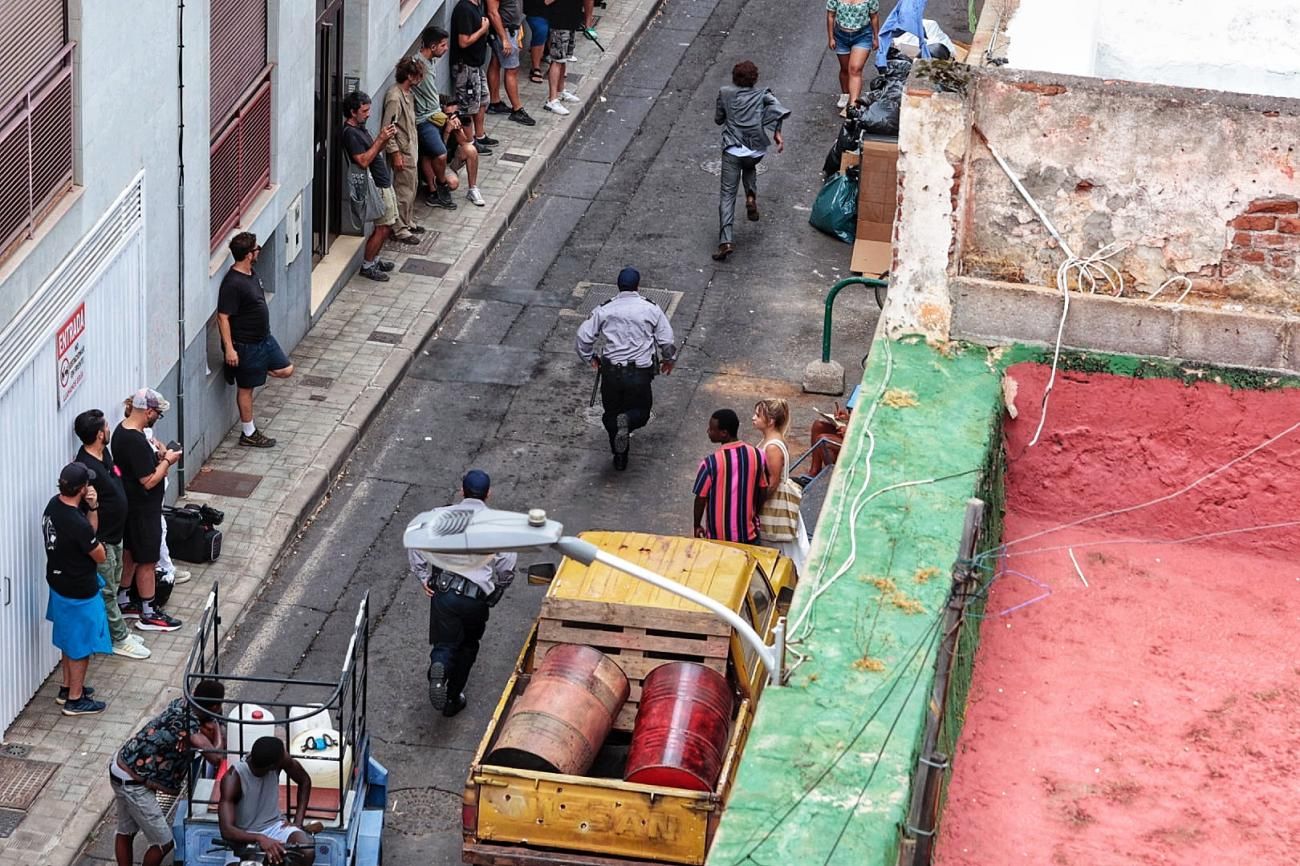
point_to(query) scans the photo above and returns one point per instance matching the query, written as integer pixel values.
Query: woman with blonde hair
(780, 523)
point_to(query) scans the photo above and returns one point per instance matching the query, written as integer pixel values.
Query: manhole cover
(417, 811)
(425, 267)
(515, 157)
(384, 337)
(21, 780)
(591, 295)
(9, 821)
(423, 248)
(714, 167)
(238, 485)
(316, 381)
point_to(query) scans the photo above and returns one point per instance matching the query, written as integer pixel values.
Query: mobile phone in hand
(174, 446)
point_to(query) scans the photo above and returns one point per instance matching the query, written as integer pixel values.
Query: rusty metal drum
(682, 726)
(564, 715)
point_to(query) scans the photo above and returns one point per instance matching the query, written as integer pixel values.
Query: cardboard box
(877, 203)
(848, 159)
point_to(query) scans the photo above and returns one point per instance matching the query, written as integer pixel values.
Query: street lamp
(459, 539)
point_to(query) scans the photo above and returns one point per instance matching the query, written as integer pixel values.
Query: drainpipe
(180, 244)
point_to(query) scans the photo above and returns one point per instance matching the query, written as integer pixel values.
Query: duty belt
(447, 582)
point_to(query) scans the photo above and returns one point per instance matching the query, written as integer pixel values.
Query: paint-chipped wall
(1186, 182)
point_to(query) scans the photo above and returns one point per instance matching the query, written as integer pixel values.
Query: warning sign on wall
(70, 353)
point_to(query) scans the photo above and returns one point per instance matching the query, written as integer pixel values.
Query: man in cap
(634, 328)
(144, 469)
(459, 602)
(72, 558)
(251, 351)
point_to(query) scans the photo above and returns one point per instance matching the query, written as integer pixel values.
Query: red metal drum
(682, 726)
(561, 720)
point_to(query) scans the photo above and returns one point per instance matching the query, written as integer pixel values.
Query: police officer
(633, 327)
(459, 603)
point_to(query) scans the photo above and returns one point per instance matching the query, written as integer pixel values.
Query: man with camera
(72, 558)
(459, 603)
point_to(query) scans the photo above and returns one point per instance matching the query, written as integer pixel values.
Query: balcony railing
(240, 161)
(36, 150)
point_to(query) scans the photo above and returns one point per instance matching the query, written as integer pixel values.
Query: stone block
(1128, 327)
(991, 312)
(824, 377)
(1233, 339)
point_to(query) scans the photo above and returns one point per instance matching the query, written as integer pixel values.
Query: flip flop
(535, 76)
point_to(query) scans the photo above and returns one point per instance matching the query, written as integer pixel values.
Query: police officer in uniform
(459, 603)
(634, 328)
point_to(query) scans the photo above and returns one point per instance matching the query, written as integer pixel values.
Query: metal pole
(830, 304)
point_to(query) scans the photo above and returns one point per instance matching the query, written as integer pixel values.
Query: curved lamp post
(460, 539)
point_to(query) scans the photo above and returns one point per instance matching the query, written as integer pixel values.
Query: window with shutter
(36, 116)
(240, 155)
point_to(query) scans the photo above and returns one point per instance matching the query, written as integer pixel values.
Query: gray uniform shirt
(633, 326)
(425, 93)
(498, 571)
(259, 805)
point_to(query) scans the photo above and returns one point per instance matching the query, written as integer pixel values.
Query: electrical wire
(1188, 539)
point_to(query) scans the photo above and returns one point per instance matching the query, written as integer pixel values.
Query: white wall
(1244, 47)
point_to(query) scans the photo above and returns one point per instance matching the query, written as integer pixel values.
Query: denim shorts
(538, 29)
(511, 60)
(256, 358)
(847, 40)
(431, 143)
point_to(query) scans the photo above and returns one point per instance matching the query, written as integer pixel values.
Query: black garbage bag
(835, 210)
(845, 141)
(881, 116)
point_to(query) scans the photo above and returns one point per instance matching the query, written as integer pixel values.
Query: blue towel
(80, 625)
(906, 18)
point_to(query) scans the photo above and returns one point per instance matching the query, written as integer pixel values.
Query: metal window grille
(36, 149)
(240, 161)
(237, 55)
(31, 32)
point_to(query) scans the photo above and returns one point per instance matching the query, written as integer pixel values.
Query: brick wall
(1262, 242)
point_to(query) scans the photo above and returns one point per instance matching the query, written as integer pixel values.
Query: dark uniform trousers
(625, 390)
(456, 625)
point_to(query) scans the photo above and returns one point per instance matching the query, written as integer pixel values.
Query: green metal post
(830, 303)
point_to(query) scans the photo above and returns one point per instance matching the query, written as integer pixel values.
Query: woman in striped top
(851, 32)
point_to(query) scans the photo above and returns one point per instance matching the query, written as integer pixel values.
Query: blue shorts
(255, 359)
(431, 143)
(80, 625)
(538, 29)
(847, 40)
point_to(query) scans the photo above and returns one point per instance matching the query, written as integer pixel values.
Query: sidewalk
(347, 365)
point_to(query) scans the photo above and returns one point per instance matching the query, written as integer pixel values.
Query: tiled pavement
(346, 367)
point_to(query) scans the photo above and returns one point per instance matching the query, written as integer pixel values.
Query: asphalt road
(500, 388)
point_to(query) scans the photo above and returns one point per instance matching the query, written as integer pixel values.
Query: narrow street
(500, 388)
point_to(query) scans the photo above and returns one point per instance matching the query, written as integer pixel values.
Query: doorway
(326, 199)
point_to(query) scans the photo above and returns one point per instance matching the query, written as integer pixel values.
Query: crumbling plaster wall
(1183, 179)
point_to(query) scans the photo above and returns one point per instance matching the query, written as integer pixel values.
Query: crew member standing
(459, 603)
(634, 328)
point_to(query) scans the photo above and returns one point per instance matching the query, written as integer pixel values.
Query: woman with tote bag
(780, 524)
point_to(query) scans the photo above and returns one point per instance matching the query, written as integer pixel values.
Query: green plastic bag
(835, 210)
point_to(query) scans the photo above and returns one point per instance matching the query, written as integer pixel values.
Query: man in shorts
(368, 153)
(249, 812)
(507, 18)
(565, 19)
(244, 321)
(469, 60)
(428, 108)
(154, 761)
(457, 141)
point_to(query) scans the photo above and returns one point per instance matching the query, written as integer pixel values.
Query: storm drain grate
(520, 158)
(9, 821)
(591, 295)
(21, 780)
(219, 482)
(423, 248)
(15, 750)
(317, 381)
(384, 337)
(425, 267)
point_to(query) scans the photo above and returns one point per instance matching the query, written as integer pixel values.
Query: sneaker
(438, 686)
(374, 274)
(568, 96)
(385, 265)
(159, 620)
(176, 576)
(131, 649)
(483, 150)
(498, 108)
(62, 697)
(843, 101)
(418, 230)
(130, 610)
(259, 439)
(454, 707)
(83, 706)
(475, 197)
(572, 58)
(134, 638)
(488, 140)
(521, 116)
(442, 198)
(556, 107)
(408, 239)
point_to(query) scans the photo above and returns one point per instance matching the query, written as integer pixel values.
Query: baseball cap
(629, 278)
(476, 483)
(76, 475)
(147, 398)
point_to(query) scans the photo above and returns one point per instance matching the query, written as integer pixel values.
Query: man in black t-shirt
(245, 325)
(72, 558)
(144, 468)
(368, 153)
(92, 429)
(470, 51)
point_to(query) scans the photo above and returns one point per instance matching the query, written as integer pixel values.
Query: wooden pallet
(639, 639)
